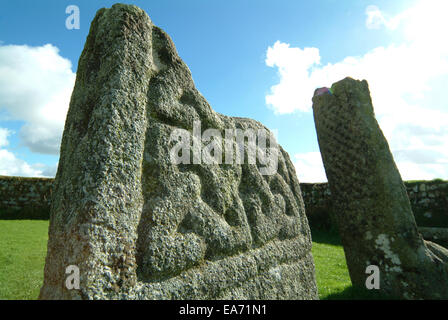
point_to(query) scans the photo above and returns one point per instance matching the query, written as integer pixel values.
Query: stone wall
(30, 197)
(429, 201)
(317, 198)
(26, 198)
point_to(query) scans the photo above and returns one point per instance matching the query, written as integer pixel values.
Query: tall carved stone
(139, 226)
(372, 208)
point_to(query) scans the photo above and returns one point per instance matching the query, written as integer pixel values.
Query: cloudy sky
(255, 58)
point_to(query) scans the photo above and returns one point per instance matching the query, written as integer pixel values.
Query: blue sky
(258, 59)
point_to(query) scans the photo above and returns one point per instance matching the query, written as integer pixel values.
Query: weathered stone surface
(139, 226)
(372, 209)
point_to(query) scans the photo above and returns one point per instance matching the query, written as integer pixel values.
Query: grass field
(23, 246)
(333, 280)
(23, 249)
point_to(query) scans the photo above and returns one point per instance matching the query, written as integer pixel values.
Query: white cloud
(49, 171)
(309, 167)
(293, 65)
(4, 133)
(376, 19)
(10, 165)
(425, 22)
(35, 87)
(400, 78)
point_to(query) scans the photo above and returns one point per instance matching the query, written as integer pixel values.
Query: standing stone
(372, 208)
(139, 226)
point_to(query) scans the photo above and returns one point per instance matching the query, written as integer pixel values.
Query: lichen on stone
(141, 227)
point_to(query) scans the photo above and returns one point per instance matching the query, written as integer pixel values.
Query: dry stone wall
(25, 197)
(429, 200)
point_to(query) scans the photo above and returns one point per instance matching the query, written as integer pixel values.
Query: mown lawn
(23, 249)
(333, 280)
(23, 246)
(331, 269)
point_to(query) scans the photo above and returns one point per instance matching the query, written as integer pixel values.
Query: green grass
(331, 269)
(23, 249)
(333, 280)
(23, 246)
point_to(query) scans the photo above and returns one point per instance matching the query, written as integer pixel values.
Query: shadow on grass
(327, 237)
(357, 293)
(29, 213)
